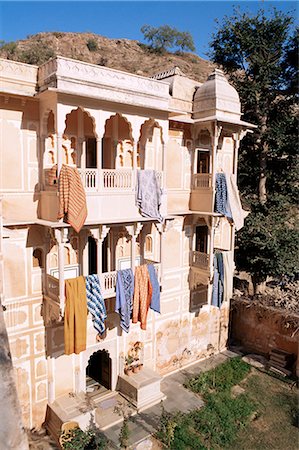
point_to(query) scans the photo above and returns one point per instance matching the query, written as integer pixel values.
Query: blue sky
(123, 19)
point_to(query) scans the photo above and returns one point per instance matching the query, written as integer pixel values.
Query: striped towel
(95, 302)
(124, 297)
(72, 199)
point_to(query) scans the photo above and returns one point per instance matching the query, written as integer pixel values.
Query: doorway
(92, 256)
(98, 372)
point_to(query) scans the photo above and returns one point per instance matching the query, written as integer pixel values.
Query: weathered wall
(261, 329)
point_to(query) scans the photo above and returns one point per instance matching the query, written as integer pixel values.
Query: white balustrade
(52, 287)
(202, 181)
(89, 179)
(200, 260)
(117, 179)
(108, 284)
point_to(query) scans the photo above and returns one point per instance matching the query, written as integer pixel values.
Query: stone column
(61, 238)
(99, 162)
(133, 231)
(59, 152)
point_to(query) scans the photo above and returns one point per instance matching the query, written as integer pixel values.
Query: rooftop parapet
(18, 78)
(82, 78)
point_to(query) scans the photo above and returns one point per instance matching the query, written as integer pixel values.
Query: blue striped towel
(95, 302)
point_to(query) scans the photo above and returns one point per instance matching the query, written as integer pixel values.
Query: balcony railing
(117, 179)
(104, 180)
(107, 282)
(202, 181)
(200, 260)
(90, 179)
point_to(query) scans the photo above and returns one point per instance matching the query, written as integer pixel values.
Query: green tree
(260, 55)
(165, 37)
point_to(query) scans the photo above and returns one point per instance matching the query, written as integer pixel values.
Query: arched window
(148, 244)
(37, 258)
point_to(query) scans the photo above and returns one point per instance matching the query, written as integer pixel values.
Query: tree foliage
(260, 55)
(165, 37)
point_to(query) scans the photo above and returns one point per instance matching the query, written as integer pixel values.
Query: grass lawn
(276, 425)
(259, 413)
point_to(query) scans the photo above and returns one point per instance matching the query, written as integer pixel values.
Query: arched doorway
(98, 370)
(92, 256)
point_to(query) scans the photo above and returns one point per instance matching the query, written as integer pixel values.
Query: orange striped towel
(142, 295)
(72, 199)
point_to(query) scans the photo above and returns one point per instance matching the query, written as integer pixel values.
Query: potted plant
(128, 367)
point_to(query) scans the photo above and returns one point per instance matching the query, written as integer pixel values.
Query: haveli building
(110, 125)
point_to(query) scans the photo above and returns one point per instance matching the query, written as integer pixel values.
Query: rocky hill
(122, 54)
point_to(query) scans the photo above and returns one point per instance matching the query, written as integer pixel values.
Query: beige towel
(238, 213)
(75, 316)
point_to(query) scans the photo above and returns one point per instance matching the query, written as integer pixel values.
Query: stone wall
(260, 329)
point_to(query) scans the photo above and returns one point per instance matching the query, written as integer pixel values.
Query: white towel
(238, 212)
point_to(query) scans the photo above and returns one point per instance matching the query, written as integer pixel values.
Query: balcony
(201, 198)
(200, 260)
(110, 196)
(200, 270)
(51, 306)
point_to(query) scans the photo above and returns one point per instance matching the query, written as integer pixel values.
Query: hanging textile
(72, 199)
(155, 301)
(95, 302)
(75, 316)
(218, 280)
(228, 275)
(237, 212)
(148, 194)
(124, 296)
(142, 295)
(222, 205)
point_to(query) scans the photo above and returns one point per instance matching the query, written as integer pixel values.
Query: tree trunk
(12, 433)
(263, 148)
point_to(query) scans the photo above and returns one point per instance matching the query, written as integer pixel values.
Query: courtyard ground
(265, 413)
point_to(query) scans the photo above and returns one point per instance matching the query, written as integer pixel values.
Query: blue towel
(155, 301)
(222, 205)
(95, 302)
(218, 280)
(124, 297)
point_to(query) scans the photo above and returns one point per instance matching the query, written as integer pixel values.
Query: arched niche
(99, 370)
(150, 146)
(79, 139)
(117, 143)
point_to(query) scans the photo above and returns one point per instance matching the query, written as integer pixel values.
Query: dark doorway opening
(201, 242)
(92, 256)
(98, 370)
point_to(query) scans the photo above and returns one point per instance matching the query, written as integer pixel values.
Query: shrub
(221, 378)
(9, 47)
(77, 439)
(124, 434)
(92, 45)
(38, 53)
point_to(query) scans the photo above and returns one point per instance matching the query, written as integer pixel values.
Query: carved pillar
(61, 238)
(99, 160)
(59, 152)
(133, 231)
(99, 235)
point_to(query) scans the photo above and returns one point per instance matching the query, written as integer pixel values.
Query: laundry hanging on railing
(222, 205)
(75, 316)
(124, 297)
(148, 194)
(142, 295)
(95, 302)
(72, 198)
(218, 280)
(155, 300)
(237, 212)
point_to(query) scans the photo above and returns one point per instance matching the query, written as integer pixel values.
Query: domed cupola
(217, 98)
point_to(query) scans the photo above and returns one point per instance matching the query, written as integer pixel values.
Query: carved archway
(99, 368)
(118, 143)
(150, 145)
